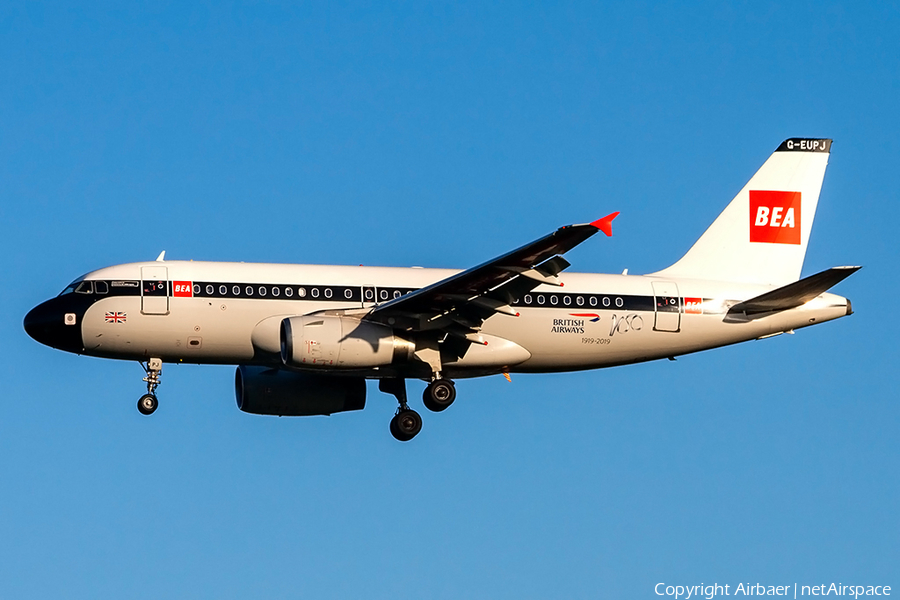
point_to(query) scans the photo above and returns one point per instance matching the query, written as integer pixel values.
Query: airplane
(305, 338)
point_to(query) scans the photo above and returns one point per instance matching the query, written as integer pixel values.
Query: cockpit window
(85, 287)
(101, 287)
(71, 287)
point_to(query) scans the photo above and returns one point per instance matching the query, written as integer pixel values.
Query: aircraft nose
(37, 323)
(50, 324)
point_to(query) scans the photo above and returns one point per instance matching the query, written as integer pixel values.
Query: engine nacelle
(340, 343)
(264, 391)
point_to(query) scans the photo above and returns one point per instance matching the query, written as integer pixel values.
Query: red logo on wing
(183, 288)
(775, 217)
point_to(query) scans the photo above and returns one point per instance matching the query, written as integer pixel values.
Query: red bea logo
(775, 217)
(183, 288)
(693, 306)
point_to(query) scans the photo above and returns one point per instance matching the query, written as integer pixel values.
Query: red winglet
(605, 224)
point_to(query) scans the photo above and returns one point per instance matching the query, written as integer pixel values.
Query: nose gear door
(154, 290)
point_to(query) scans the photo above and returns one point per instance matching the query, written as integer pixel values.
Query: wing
(459, 304)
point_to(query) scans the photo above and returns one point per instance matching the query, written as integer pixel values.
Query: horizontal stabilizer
(794, 294)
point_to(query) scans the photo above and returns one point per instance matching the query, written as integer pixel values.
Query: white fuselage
(230, 313)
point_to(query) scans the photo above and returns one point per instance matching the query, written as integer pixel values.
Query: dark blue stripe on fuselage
(342, 294)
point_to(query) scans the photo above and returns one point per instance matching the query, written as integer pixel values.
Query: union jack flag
(115, 317)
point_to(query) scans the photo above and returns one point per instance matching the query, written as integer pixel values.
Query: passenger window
(302, 292)
(276, 291)
(101, 287)
(288, 292)
(315, 292)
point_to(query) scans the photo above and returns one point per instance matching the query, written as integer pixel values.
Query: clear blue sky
(443, 135)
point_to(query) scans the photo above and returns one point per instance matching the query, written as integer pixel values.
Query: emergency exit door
(154, 290)
(667, 306)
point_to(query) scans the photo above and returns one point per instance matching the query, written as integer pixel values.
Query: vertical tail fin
(761, 236)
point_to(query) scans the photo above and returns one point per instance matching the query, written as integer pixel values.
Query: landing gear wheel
(147, 404)
(439, 394)
(405, 425)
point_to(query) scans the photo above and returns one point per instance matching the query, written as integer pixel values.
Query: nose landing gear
(148, 403)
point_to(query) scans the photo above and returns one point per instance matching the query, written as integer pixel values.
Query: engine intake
(340, 342)
(264, 391)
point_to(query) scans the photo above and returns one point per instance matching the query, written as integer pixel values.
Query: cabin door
(667, 306)
(154, 290)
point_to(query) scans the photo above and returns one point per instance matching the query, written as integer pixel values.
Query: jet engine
(332, 342)
(265, 391)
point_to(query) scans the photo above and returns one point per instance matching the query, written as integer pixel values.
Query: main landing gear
(406, 423)
(148, 403)
(439, 395)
